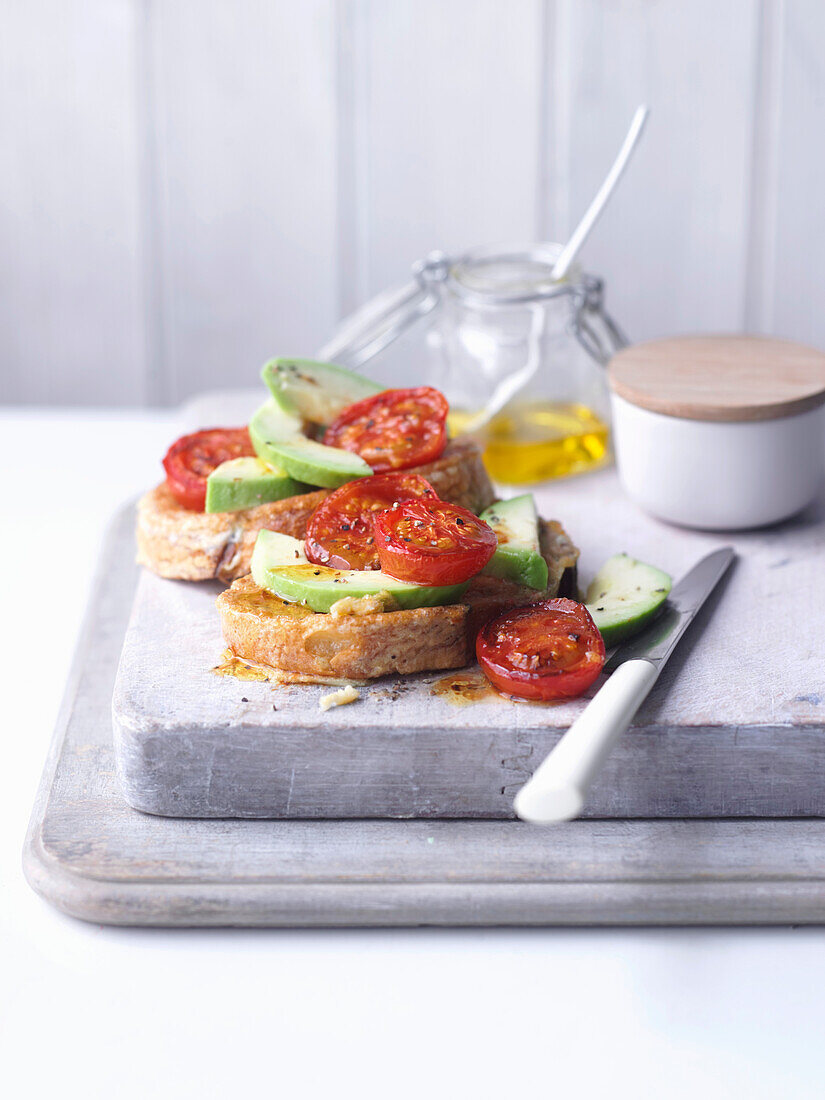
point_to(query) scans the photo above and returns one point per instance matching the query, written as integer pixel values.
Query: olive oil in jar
(531, 442)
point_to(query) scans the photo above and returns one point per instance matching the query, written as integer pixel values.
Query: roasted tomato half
(192, 458)
(393, 430)
(549, 650)
(340, 531)
(432, 542)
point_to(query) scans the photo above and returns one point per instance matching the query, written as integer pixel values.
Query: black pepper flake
(370, 423)
(345, 527)
(574, 637)
(274, 707)
(316, 572)
(600, 609)
(459, 521)
(244, 699)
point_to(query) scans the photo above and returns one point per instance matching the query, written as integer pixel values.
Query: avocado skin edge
(522, 567)
(302, 469)
(287, 394)
(612, 627)
(321, 596)
(239, 495)
(620, 632)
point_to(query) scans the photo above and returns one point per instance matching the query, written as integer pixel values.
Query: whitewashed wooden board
(92, 856)
(734, 727)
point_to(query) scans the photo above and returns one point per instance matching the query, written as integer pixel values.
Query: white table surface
(101, 1012)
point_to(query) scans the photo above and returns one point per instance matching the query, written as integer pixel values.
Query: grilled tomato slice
(192, 458)
(549, 650)
(340, 530)
(432, 542)
(393, 430)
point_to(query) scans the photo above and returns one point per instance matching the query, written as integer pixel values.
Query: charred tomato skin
(432, 542)
(192, 458)
(340, 531)
(547, 650)
(394, 429)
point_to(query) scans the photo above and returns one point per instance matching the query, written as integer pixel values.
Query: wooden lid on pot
(720, 377)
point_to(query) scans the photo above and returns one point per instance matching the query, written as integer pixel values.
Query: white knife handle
(558, 787)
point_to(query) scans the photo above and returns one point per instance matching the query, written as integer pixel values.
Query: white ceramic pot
(715, 474)
(723, 432)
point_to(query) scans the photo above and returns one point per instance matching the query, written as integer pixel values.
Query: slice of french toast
(197, 546)
(358, 640)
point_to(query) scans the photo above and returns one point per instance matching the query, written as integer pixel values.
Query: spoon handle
(582, 231)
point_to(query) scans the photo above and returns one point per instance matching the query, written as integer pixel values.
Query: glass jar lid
(483, 278)
(509, 276)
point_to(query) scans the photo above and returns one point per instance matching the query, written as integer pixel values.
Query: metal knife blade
(657, 642)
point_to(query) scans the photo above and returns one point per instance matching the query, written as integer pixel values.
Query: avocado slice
(246, 482)
(624, 597)
(315, 391)
(279, 564)
(278, 440)
(518, 555)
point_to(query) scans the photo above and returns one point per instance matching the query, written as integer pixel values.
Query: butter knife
(557, 789)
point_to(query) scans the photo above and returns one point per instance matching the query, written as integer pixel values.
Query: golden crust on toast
(302, 645)
(198, 546)
(260, 627)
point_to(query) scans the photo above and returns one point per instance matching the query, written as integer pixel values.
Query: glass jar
(519, 356)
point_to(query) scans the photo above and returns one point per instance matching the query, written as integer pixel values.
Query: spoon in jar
(508, 387)
(594, 210)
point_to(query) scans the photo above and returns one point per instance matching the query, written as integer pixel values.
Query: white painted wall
(189, 186)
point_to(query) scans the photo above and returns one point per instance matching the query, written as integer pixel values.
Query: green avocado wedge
(279, 564)
(625, 596)
(315, 391)
(518, 555)
(278, 439)
(244, 483)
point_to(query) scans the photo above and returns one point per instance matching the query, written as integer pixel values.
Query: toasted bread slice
(195, 546)
(357, 642)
